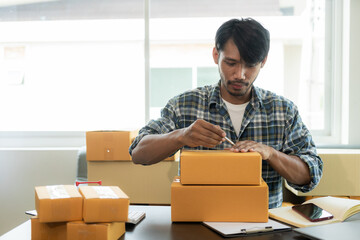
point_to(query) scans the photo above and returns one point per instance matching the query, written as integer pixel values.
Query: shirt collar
(215, 95)
(256, 97)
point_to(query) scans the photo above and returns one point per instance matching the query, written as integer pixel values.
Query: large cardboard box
(341, 174)
(95, 231)
(109, 145)
(219, 203)
(104, 204)
(46, 231)
(58, 203)
(220, 167)
(143, 184)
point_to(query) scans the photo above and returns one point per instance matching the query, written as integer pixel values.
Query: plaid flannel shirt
(269, 119)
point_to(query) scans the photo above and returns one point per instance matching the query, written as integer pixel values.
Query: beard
(236, 92)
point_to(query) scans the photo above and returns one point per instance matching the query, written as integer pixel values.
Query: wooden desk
(157, 225)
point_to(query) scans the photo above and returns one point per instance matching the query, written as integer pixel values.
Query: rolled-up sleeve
(298, 142)
(165, 124)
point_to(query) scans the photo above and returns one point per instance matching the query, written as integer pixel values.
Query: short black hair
(250, 37)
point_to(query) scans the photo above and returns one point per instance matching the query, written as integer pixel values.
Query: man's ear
(215, 55)
(263, 61)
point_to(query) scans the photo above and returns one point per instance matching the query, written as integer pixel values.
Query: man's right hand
(202, 133)
(155, 147)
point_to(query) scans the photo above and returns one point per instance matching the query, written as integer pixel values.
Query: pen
(231, 142)
(257, 230)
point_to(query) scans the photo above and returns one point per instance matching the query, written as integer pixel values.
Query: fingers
(212, 130)
(252, 146)
(245, 146)
(209, 132)
(203, 133)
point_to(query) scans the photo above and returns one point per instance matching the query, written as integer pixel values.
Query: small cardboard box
(58, 203)
(104, 204)
(220, 167)
(95, 231)
(46, 231)
(219, 203)
(109, 145)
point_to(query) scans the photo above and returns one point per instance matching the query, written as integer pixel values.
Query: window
(73, 66)
(182, 36)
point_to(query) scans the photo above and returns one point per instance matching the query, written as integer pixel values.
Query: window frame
(333, 135)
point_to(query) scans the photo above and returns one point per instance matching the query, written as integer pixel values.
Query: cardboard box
(46, 231)
(219, 203)
(95, 231)
(109, 145)
(143, 184)
(104, 204)
(58, 203)
(341, 174)
(220, 167)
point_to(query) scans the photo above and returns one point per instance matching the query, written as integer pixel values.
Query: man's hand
(202, 133)
(292, 168)
(265, 151)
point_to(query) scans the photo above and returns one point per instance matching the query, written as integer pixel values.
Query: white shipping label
(105, 192)
(57, 191)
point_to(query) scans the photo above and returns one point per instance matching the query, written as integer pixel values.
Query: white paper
(231, 228)
(105, 192)
(57, 192)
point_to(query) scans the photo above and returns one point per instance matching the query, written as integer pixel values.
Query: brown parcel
(220, 167)
(58, 203)
(104, 204)
(46, 231)
(219, 203)
(109, 145)
(95, 231)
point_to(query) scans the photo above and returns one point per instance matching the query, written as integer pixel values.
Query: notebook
(341, 208)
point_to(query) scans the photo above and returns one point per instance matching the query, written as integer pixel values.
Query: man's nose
(240, 72)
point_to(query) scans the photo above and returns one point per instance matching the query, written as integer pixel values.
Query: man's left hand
(252, 146)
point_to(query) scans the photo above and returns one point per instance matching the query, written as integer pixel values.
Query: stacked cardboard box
(108, 160)
(93, 212)
(219, 186)
(109, 145)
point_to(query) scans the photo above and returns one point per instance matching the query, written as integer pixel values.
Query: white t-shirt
(236, 112)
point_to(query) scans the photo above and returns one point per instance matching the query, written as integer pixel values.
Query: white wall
(23, 169)
(354, 73)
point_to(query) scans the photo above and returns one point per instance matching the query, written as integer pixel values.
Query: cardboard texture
(58, 203)
(109, 145)
(46, 231)
(219, 203)
(104, 204)
(143, 184)
(341, 175)
(95, 231)
(220, 167)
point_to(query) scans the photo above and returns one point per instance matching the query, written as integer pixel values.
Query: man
(256, 119)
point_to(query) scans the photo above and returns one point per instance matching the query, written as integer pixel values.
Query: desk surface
(157, 225)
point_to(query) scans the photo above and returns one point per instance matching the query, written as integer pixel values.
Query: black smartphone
(312, 212)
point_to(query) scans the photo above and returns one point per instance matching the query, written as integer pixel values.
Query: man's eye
(230, 63)
(252, 65)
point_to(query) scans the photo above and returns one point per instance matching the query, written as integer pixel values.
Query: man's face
(237, 77)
